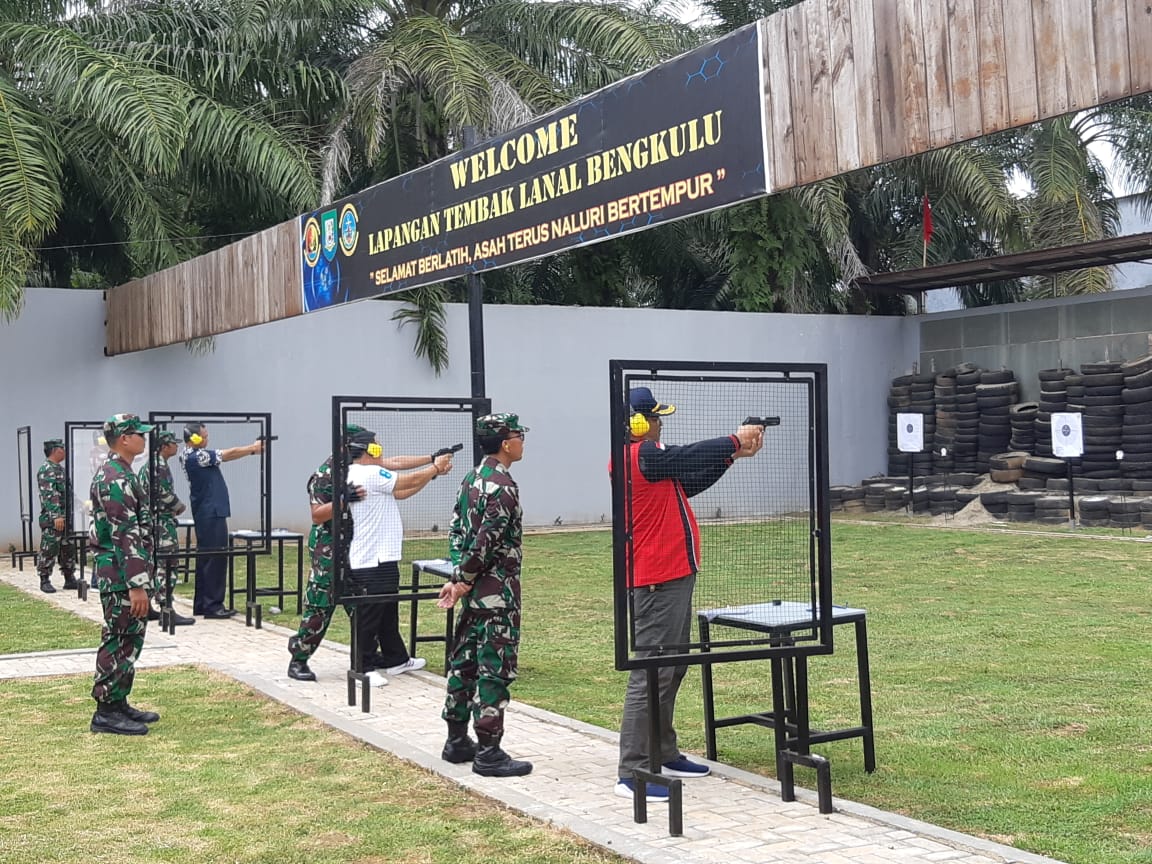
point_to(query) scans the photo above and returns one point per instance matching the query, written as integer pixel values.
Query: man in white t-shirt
(374, 556)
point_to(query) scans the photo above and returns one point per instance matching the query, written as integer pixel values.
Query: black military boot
(299, 670)
(70, 583)
(46, 586)
(491, 761)
(135, 713)
(459, 748)
(108, 719)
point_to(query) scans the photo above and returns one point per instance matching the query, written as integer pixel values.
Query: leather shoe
(493, 762)
(70, 584)
(182, 620)
(459, 750)
(153, 615)
(220, 613)
(136, 714)
(299, 670)
(46, 587)
(115, 723)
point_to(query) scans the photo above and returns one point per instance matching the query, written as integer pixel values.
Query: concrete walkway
(731, 816)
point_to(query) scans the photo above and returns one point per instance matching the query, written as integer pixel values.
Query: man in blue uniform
(210, 511)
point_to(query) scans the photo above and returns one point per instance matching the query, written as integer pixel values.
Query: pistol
(762, 422)
(447, 451)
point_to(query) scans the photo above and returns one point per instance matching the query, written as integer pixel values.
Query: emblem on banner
(328, 232)
(349, 229)
(311, 242)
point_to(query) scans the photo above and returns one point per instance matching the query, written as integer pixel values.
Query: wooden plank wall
(847, 84)
(853, 83)
(253, 281)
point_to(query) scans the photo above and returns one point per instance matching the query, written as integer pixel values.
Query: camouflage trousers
(120, 643)
(55, 546)
(481, 669)
(317, 616)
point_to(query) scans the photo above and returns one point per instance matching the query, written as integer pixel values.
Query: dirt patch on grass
(1069, 730)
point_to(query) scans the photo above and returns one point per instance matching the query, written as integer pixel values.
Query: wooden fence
(847, 84)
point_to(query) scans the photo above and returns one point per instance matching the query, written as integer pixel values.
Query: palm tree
(429, 68)
(130, 129)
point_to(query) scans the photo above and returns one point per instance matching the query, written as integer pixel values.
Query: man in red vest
(663, 559)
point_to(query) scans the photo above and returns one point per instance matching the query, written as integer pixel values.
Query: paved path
(731, 816)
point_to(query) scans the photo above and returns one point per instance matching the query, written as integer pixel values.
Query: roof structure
(1044, 262)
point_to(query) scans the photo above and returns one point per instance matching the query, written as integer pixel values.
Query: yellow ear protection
(192, 434)
(375, 450)
(195, 439)
(638, 425)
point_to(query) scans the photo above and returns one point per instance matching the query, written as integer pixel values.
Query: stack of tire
(1022, 504)
(1022, 417)
(911, 394)
(874, 494)
(899, 402)
(1044, 469)
(1103, 410)
(967, 438)
(1053, 399)
(1136, 433)
(1052, 508)
(1093, 511)
(1146, 512)
(848, 499)
(1006, 467)
(945, 438)
(996, 393)
(995, 502)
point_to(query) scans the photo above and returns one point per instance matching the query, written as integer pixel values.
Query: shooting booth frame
(260, 541)
(787, 648)
(77, 537)
(24, 475)
(342, 407)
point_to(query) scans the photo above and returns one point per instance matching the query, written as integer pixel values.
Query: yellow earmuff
(195, 439)
(638, 425)
(375, 450)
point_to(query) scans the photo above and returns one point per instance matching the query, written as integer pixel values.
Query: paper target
(910, 433)
(1067, 435)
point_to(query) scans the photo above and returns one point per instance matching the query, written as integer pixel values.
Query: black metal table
(252, 607)
(793, 734)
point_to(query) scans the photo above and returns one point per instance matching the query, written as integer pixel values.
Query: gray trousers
(663, 616)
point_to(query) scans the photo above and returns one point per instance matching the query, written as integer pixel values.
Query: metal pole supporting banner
(475, 322)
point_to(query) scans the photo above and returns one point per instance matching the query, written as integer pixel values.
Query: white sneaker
(375, 679)
(410, 665)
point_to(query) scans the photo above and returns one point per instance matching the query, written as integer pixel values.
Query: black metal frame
(27, 531)
(814, 376)
(80, 538)
(166, 419)
(341, 407)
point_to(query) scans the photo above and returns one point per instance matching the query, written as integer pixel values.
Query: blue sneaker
(683, 767)
(626, 788)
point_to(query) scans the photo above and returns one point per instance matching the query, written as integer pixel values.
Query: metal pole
(475, 320)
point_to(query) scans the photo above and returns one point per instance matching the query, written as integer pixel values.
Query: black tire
(1102, 368)
(1139, 394)
(1054, 374)
(1102, 379)
(1137, 366)
(1141, 379)
(1048, 407)
(1047, 467)
(1002, 376)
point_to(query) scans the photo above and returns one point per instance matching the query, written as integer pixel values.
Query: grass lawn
(32, 624)
(1009, 678)
(228, 775)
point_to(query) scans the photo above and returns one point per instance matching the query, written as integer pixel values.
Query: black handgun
(447, 451)
(763, 422)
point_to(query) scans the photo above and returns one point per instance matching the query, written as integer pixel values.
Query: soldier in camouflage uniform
(121, 539)
(166, 508)
(318, 599)
(54, 543)
(484, 545)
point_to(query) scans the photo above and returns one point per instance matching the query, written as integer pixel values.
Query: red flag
(927, 209)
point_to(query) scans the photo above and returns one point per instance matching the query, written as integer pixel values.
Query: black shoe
(459, 750)
(135, 713)
(299, 670)
(179, 620)
(153, 615)
(70, 584)
(494, 762)
(46, 587)
(220, 613)
(115, 723)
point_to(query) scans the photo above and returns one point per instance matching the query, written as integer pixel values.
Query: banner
(682, 138)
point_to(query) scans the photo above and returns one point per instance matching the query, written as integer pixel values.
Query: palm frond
(426, 311)
(15, 262)
(30, 195)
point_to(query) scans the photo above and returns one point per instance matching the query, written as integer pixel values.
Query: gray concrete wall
(548, 363)
(1045, 334)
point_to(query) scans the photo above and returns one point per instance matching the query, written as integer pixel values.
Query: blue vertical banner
(682, 138)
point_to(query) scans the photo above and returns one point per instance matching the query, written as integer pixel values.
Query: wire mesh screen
(85, 452)
(691, 498)
(410, 432)
(249, 478)
(24, 471)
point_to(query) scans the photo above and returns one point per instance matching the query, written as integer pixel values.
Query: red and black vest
(664, 540)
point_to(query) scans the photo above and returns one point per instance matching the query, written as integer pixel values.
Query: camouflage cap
(122, 424)
(361, 439)
(166, 436)
(499, 424)
(352, 429)
(52, 443)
